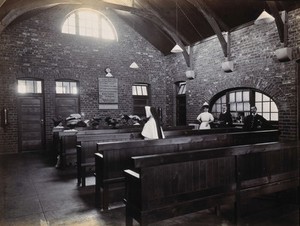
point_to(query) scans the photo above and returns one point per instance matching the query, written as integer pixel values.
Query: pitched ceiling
(165, 22)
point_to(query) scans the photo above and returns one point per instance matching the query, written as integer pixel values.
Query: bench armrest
(132, 173)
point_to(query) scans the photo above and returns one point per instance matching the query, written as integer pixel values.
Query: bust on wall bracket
(108, 74)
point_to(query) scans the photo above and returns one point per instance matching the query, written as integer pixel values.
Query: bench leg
(218, 210)
(83, 175)
(105, 197)
(78, 175)
(98, 200)
(129, 220)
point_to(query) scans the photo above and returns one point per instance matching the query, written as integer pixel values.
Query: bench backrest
(116, 155)
(212, 171)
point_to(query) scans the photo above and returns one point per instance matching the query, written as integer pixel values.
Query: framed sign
(108, 93)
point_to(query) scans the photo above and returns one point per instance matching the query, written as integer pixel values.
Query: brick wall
(256, 66)
(34, 47)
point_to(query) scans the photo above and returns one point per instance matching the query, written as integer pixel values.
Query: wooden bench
(201, 179)
(86, 145)
(112, 158)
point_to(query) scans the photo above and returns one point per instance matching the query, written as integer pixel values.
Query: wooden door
(66, 105)
(180, 110)
(31, 123)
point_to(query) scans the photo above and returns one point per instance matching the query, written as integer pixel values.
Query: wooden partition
(114, 157)
(200, 179)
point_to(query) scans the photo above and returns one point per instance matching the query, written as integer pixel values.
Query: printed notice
(108, 90)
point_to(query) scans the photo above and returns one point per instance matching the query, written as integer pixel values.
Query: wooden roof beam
(207, 13)
(281, 22)
(168, 28)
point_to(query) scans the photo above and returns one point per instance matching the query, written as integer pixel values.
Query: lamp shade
(134, 65)
(177, 49)
(264, 18)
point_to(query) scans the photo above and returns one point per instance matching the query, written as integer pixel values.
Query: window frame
(252, 102)
(102, 23)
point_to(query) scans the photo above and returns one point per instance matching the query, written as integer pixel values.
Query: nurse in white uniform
(205, 117)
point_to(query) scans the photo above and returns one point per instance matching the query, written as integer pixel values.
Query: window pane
(232, 107)
(219, 108)
(258, 96)
(273, 107)
(21, 86)
(134, 90)
(29, 87)
(246, 106)
(144, 90)
(274, 116)
(239, 107)
(266, 98)
(266, 116)
(38, 87)
(259, 107)
(232, 97)
(139, 90)
(89, 23)
(246, 96)
(266, 106)
(238, 96)
(107, 31)
(223, 99)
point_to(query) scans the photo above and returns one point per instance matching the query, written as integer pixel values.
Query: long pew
(86, 145)
(114, 157)
(200, 179)
(65, 141)
(87, 140)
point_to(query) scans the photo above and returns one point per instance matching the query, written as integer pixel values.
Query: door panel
(31, 123)
(66, 105)
(181, 110)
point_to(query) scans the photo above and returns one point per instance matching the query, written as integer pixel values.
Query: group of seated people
(253, 121)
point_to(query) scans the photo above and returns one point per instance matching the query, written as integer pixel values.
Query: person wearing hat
(205, 117)
(152, 128)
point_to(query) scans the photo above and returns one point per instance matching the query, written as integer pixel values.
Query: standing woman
(152, 128)
(205, 117)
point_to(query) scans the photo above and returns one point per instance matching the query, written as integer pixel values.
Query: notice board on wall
(108, 93)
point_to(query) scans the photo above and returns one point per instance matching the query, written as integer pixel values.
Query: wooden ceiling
(166, 22)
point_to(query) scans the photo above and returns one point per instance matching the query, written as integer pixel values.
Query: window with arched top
(88, 22)
(239, 101)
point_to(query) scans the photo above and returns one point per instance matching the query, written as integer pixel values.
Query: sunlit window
(140, 90)
(29, 86)
(240, 101)
(66, 87)
(181, 88)
(90, 23)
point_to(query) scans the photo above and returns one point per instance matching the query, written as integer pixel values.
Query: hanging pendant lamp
(176, 48)
(264, 18)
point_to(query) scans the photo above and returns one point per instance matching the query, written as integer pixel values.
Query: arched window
(87, 22)
(239, 102)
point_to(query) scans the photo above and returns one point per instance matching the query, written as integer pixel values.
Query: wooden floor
(34, 192)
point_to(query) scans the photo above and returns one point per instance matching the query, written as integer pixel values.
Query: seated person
(152, 128)
(255, 121)
(225, 118)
